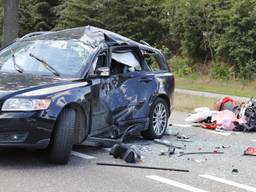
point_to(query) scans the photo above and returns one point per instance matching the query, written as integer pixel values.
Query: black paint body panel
(110, 104)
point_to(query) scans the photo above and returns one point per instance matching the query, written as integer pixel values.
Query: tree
(11, 25)
(37, 15)
(76, 13)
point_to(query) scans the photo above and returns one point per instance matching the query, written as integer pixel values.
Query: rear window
(154, 61)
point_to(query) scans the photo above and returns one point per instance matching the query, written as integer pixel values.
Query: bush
(220, 70)
(248, 71)
(181, 66)
(166, 51)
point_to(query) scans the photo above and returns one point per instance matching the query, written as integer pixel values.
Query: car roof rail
(33, 34)
(145, 43)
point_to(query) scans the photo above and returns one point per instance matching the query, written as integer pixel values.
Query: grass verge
(186, 103)
(203, 83)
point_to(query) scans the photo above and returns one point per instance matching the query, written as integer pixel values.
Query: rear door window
(153, 61)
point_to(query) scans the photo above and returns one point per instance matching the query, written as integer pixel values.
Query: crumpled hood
(12, 82)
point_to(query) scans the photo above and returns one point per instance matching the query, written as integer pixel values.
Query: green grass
(203, 83)
(186, 103)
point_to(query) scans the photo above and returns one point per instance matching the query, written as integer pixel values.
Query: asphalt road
(23, 170)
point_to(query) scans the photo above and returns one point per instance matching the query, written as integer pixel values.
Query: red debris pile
(228, 115)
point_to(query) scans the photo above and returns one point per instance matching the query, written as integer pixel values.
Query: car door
(125, 94)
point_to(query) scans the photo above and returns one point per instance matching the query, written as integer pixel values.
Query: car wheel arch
(162, 96)
(82, 121)
(166, 98)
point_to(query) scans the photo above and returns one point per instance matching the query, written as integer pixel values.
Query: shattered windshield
(49, 57)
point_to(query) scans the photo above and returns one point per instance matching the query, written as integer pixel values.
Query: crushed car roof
(90, 35)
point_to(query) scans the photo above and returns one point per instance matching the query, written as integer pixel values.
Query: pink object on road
(226, 118)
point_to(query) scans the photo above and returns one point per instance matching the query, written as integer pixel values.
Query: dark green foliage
(210, 30)
(76, 13)
(198, 31)
(132, 18)
(37, 15)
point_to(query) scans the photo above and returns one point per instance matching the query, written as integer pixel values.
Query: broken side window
(124, 61)
(100, 61)
(152, 61)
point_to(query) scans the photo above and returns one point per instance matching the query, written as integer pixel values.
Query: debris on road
(169, 132)
(183, 138)
(142, 167)
(197, 160)
(223, 147)
(200, 153)
(200, 115)
(129, 153)
(170, 152)
(235, 171)
(167, 144)
(228, 116)
(144, 148)
(251, 151)
(247, 111)
(226, 103)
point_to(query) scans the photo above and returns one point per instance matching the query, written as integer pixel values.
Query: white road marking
(232, 183)
(175, 183)
(181, 125)
(82, 155)
(220, 133)
(253, 140)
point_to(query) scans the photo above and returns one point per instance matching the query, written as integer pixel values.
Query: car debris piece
(129, 153)
(170, 152)
(200, 153)
(223, 147)
(247, 111)
(184, 140)
(235, 171)
(167, 144)
(198, 160)
(182, 137)
(142, 167)
(251, 151)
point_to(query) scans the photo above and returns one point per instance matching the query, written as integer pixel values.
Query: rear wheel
(63, 137)
(158, 120)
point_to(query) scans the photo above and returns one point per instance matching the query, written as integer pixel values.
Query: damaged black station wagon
(58, 89)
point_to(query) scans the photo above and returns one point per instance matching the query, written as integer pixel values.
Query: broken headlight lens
(20, 104)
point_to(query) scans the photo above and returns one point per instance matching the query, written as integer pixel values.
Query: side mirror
(103, 71)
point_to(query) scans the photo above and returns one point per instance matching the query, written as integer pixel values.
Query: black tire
(150, 133)
(63, 137)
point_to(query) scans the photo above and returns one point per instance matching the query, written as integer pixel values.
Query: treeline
(218, 35)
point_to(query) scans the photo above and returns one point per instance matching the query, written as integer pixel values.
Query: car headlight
(21, 104)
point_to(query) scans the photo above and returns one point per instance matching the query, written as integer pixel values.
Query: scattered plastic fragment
(182, 137)
(129, 153)
(170, 152)
(250, 151)
(235, 171)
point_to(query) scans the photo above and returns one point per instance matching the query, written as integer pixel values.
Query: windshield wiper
(45, 64)
(16, 66)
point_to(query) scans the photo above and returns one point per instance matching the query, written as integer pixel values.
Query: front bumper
(25, 129)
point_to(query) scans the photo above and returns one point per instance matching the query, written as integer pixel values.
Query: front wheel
(158, 120)
(63, 137)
